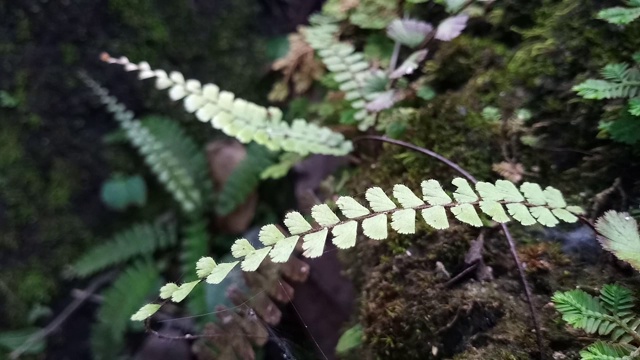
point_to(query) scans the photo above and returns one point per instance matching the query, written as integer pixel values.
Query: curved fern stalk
(621, 81)
(170, 167)
(241, 119)
(350, 69)
(141, 239)
(611, 314)
(132, 287)
(529, 205)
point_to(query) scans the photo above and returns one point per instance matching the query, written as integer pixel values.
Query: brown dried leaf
(510, 171)
(299, 67)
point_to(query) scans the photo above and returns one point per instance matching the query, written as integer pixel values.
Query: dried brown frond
(510, 171)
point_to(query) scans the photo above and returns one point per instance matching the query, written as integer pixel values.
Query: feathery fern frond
(529, 205)
(350, 69)
(622, 81)
(241, 119)
(132, 287)
(608, 315)
(244, 179)
(141, 239)
(166, 149)
(618, 233)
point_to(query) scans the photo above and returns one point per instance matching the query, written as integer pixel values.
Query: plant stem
(505, 229)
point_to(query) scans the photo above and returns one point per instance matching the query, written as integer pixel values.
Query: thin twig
(505, 229)
(63, 316)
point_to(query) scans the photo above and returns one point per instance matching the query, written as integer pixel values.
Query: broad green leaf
(145, 312)
(282, 249)
(344, 235)
(464, 193)
(270, 234)
(554, 197)
(351, 208)
(618, 233)
(375, 227)
(404, 221)
(252, 261)
(295, 222)
(544, 216)
(564, 215)
(220, 272)
(351, 339)
(406, 197)
(495, 210)
(323, 215)
(205, 266)
(313, 244)
(533, 193)
(241, 248)
(434, 194)
(488, 191)
(436, 217)
(184, 290)
(378, 200)
(509, 191)
(467, 214)
(521, 213)
(167, 290)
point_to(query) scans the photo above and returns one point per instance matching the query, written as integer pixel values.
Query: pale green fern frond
(529, 205)
(133, 286)
(244, 179)
(141, 239)
(241, 119)
(349, 68)
(173, 169)
(618, 233)
(622, 81)
(608, 315)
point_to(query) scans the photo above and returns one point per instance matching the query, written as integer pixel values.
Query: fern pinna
(610, 315)
(529, 205)
(239, 118)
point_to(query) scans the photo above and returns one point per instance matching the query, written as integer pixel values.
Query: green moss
(69, 53)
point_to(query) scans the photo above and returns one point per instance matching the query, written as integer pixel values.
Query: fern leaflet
(141, 239)
(621, 81)
(241, 119)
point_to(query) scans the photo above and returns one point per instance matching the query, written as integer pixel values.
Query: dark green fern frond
(195, 244)
(603, 351)
(140, 239)
(583, 311)
(123, 298)
(622, 81)
(244, 178)
(617, 300)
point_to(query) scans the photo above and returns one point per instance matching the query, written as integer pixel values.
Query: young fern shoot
(529, 205)
(239, 118)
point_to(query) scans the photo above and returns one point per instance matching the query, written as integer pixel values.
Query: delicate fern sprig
(608, 315)
(352, 72)
(621, 15)
(621, 81)
(141, 239)
(171, 167)
(529, 205)
(241, 119)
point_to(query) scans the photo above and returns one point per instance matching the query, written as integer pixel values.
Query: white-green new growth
(239, 118)
(528, 206)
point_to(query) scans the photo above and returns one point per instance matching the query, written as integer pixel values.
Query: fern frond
(244, 179)
(621, 82)
(634, 107)
(195, 242)
(350, 69)
(528, 205)
(618, 233)
(603, 351)
(241, 119)
(141, 239)
(166, 149)
(131, 288)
